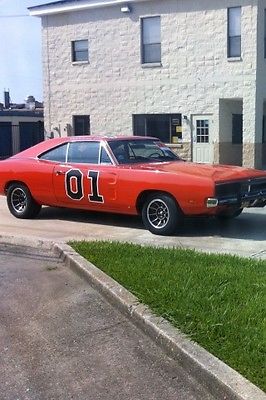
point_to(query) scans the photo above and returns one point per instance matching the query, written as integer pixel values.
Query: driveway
(245, 236)
(61, 340)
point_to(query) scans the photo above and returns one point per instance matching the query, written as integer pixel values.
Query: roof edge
(64, 6)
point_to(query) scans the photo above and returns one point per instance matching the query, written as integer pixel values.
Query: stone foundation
(252, 155)
(183, 150)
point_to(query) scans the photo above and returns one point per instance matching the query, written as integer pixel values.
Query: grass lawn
(219, 301)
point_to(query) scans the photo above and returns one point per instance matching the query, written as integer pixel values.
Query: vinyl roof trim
(65, 6)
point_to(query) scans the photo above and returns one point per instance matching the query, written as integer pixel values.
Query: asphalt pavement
(61, 340)
(59, 337)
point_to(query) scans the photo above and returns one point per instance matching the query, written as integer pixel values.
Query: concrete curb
(26, 241)
(221, 380)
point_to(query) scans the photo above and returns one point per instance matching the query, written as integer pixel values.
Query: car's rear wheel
(229, 214)
(20, 201)
(160, 214)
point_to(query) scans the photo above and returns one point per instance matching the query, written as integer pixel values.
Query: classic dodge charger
(128, 175)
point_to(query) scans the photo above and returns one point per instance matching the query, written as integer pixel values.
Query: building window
(166, 127)
(202, 130)
(151, 40)
(81, 125)
(80, 50)
(237, 128)
(234, 32)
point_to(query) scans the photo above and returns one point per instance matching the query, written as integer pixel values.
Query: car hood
(212, 171)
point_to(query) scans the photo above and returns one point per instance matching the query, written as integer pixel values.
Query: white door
(202, 138)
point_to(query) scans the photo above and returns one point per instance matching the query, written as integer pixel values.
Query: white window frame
(150, 42)
(233, 31)
(74, 51)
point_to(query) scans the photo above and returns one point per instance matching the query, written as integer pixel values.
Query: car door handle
(59, 173)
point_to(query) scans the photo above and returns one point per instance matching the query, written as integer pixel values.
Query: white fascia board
(40, 11)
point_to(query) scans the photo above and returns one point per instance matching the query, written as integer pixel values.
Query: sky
(20, 50)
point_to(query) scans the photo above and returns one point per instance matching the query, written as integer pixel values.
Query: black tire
(20, 201)
(229, 214)
(160, 214)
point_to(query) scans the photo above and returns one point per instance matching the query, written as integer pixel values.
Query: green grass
(219, 301)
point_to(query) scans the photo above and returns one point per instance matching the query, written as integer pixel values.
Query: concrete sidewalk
(60, 339)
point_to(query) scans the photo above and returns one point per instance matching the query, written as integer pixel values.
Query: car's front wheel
(160, 214)
(20, 201)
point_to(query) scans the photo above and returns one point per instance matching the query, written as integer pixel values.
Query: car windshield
(141, 151)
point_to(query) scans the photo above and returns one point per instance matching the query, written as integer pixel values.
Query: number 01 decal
(74, 185)
(94, 178)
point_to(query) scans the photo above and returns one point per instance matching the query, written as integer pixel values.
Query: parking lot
(61, 340)
(245, 235)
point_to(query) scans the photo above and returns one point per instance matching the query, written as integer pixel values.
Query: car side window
(57, 154)
(120, 151)
(105, 159)
(84, 152)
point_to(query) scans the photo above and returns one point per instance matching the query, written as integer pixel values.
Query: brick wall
(194, 75)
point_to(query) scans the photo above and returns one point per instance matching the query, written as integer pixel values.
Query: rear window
(57, 154)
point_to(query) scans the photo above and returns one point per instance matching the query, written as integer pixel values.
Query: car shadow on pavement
(91, 217)
(248, 226)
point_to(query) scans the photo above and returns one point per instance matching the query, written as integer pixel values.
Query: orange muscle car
(128, 175)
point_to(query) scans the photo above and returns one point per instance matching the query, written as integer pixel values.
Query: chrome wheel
(158, 213)
(161, 214)
(18, 200)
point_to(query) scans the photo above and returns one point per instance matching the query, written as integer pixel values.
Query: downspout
(191, 137)
(47, 73)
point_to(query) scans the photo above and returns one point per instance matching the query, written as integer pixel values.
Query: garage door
(5, 139)
(30, 133)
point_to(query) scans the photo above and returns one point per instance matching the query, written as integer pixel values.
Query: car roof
(99, 138)
(46, 145)
(109, 138)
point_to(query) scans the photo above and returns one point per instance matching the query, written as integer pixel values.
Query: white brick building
(190, 72)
